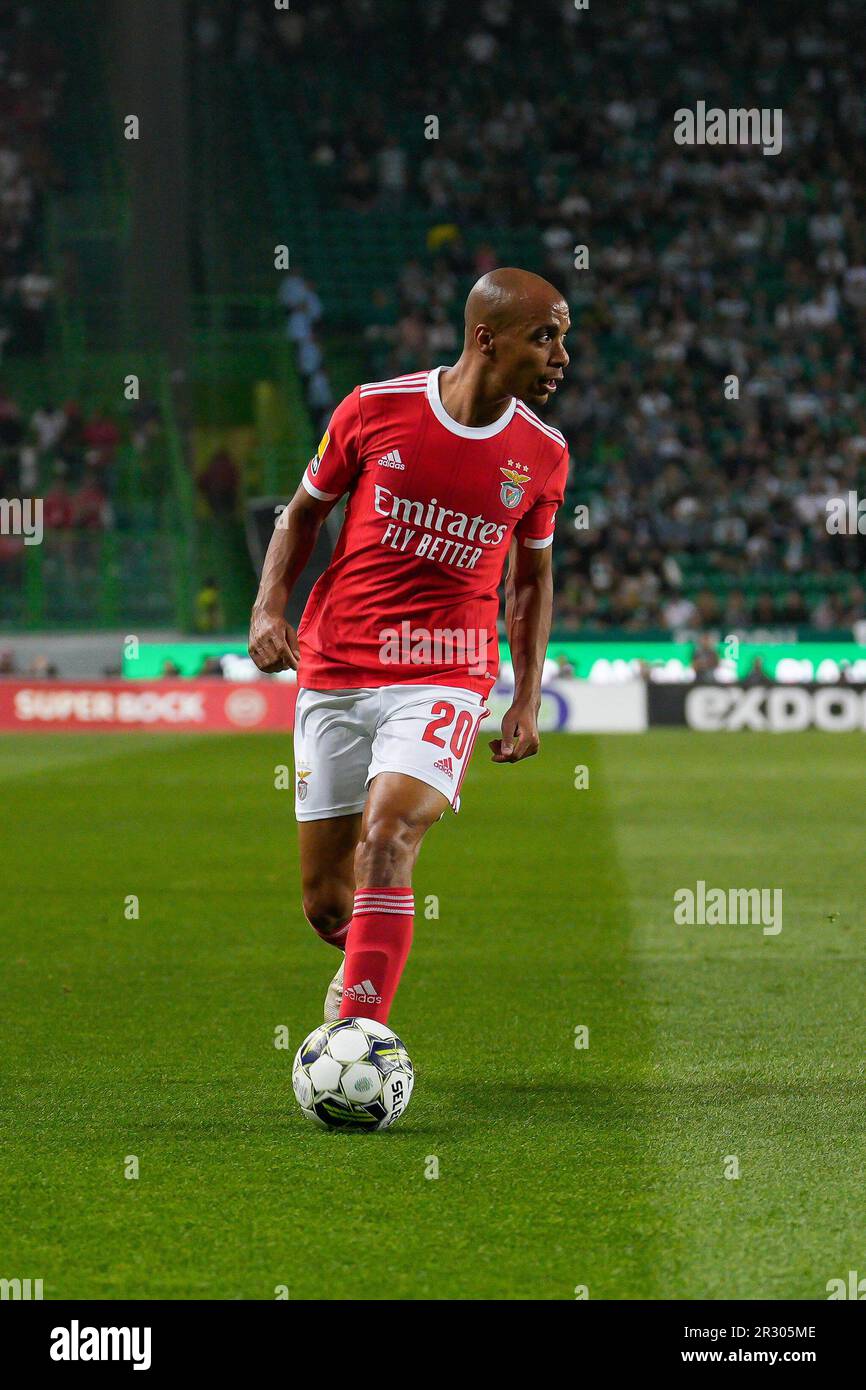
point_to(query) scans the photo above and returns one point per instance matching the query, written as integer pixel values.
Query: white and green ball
(354, 1073)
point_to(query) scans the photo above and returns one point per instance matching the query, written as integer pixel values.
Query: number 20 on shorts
(444, 713)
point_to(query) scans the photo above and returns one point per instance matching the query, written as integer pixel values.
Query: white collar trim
(464, 431)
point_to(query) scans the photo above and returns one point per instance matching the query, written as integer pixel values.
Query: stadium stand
(705, 512)
(108, 470)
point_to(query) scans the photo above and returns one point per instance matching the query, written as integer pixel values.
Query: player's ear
(484, 339)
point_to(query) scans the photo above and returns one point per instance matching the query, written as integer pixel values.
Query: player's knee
(389, 837)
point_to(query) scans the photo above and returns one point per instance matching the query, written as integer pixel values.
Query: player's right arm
(273, 643)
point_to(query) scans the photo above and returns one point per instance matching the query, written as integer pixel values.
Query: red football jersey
(410, 595)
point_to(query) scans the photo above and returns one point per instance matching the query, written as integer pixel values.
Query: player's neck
(465, 396)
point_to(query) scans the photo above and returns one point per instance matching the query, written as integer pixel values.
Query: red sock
(380, 934)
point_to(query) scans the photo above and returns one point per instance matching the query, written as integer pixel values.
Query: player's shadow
(443, 1108)
(550, 1105)
(524, 1105)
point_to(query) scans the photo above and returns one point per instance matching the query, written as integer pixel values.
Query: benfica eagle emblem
(303, 774)
(511, 492)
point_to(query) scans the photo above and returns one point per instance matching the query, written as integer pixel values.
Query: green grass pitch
(558, 1167)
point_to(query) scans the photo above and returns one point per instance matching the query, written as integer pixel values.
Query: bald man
(448, 473)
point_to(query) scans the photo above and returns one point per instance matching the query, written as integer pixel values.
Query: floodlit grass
(558, 1166)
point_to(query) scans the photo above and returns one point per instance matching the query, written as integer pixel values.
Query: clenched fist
(519, 734)
(273, 643)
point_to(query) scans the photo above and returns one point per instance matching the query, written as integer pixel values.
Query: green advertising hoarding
(601, 661)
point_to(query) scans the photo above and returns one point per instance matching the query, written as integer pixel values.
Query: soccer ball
(354, 1073)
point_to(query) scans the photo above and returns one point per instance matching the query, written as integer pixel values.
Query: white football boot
(334, 997)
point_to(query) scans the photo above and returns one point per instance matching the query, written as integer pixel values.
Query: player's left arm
(528, 610)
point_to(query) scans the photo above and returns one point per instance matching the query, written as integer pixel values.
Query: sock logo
(444, 765)
(365, 993)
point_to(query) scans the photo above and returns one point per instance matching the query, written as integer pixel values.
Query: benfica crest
(511, 492)
(303, 774)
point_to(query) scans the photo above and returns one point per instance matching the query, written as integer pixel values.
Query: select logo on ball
(354, 1073)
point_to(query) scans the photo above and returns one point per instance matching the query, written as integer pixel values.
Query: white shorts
(343, 738)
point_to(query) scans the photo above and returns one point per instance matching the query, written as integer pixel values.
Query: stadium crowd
(716, 397)
(303, 308)
(100, 474)
(31, 82)
(71, 460)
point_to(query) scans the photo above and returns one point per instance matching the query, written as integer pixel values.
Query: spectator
(58, 509)
(705, 659)
(208, 608)
(101, 435)
(756, 674)
(391, 165)
(219, 483)
(90, 504)
(48, 424)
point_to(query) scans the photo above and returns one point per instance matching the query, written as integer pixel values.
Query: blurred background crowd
(716, 397)
(31, 83)
(705, 509)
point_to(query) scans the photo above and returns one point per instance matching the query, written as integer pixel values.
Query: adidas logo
(444, 765)
(362, 994)
(392, 459)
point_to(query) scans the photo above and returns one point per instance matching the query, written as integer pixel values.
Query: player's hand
(273, 643)
(519, 735)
